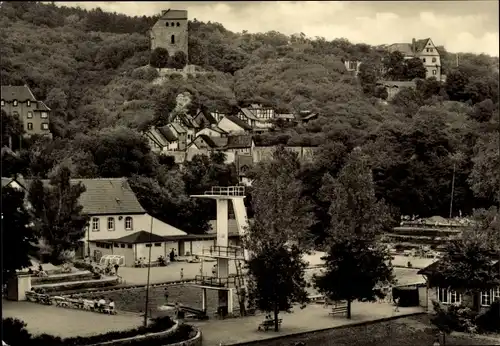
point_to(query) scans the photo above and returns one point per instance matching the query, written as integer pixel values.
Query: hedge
(75, 285)
(85, 275)
(15, 333)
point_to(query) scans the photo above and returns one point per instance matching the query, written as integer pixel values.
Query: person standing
(116, 268)
(166, 295)
(182, 274)
(172, 255)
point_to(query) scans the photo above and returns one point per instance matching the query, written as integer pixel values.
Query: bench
(268, 324)
(340, 309)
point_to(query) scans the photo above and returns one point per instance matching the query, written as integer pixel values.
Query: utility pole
(149, 272)
(452, 189)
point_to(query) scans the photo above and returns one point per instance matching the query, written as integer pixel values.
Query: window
(178, 24)
(16, 114)
(434, 59)
(30, 115)
(434, 72)
(166, 24)
(446, 296)
(111, 223)
(172, 39)
(148, 245)
(44, 115)
(486, 298)
(3, 103)
(128, 223)
(14, 103)
(122, 246)
(116, 245)
(172, 24)
(157, 244)
(129, 246)
(29, 126)
(45, 126)
(28, 103)
(431, 50)
(423, 59)
(95, 224)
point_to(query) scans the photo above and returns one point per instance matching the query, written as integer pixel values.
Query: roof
(286, 116)
(139, 237)
(178, 127)
(7, 181)
(40, 106)
(205, 114)
(214, 142)
(167, 133)
(404, 48)
(17, 92)
(238, 122)
(420, 44)
(238, 142)
(106, 196)
(249, 114)
(174, 14)
(156, 136)
(434, 267)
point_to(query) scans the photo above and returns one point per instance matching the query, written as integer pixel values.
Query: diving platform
(223, 192)
(227, 252)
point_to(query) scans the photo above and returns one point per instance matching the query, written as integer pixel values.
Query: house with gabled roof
(446, 296)
(424, 50)
(259, 117)
(203, 118)
(19, 101)
(233, 125)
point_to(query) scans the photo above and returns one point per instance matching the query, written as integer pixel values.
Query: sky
(459, 26)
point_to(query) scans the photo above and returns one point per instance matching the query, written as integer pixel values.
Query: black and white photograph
(250, 173)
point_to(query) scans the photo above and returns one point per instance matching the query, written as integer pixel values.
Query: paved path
(313, 317)
(66, 322)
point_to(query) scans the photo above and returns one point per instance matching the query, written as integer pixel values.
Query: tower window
(172, 39)
(172, 24)
(178, 24)
(166, 24)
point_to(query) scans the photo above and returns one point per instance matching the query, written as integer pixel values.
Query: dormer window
(28, 103)
(14, 103)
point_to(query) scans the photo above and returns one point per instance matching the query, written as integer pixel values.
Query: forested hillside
(91, 68)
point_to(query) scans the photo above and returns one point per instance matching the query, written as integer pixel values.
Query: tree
(394, 66)
(456, 84)
(159, 58)
(442, 320)
(178, 60)
(277, 274)
(368, 77)
(356, 265)
(57, 214)
(16, 232)
(277, 237)
(12, 129)
(415, 69)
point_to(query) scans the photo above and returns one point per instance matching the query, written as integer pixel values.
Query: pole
(452, 189)
(149, 272)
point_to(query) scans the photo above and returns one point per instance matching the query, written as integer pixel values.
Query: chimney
(413, 45)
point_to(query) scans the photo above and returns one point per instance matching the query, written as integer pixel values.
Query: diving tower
(222, 252)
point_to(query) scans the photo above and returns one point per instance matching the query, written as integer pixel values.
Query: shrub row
(15, 333)
(85, 275)
(75, 285)
(463, 319)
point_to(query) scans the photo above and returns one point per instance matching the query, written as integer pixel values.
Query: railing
(224, 251)
(227, 191)
(214, 281)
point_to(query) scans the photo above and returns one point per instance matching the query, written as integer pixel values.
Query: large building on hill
(423, 49)
(20, 102)
(171, 32)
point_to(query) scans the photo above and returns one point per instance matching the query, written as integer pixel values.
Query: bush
(178, 60)
(83, 266)
(159, 58)
(15, 333)
(456, 318)
(490, 320)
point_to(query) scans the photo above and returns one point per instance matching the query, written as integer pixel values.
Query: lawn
(410, 331)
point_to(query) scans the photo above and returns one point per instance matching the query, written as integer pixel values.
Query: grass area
(410, 331)
(134, 299)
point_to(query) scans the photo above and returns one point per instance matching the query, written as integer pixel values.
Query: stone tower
(171, 32)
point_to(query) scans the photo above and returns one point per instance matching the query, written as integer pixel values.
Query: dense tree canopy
(91, 68)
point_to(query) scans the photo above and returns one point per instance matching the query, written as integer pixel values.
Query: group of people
(100, 305)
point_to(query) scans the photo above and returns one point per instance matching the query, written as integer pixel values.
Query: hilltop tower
(171, 32)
